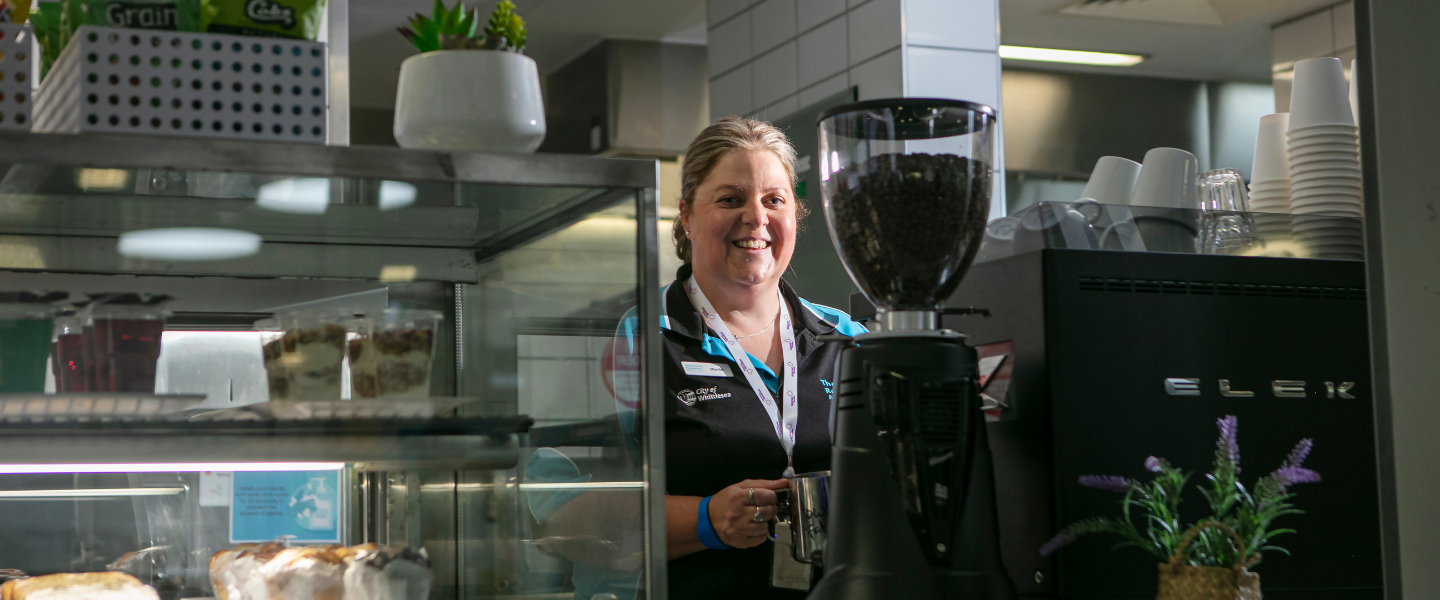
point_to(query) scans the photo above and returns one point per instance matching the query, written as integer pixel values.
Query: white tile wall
(567, 386)
(874, 28)
(772, 23)
(728, 45)
(773, 75)
(952, 24)
(1306, 38)
(824, 89)
(1344, 22)
(719, 10)
(880, 77)
(772, 57)
(730, 94)
(810, 13)
(822, 52)
(778, 108)
(959, 74)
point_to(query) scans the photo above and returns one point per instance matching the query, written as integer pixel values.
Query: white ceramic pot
(476, 100)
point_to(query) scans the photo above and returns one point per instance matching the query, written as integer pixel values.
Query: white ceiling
(562, 29)
(1240, 51)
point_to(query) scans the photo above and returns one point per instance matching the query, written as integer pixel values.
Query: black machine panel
(1095, 336)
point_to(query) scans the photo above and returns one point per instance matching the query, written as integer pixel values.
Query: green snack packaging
(298, 19)
(169, 15)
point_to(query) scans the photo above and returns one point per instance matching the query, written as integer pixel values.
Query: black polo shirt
(717, 433)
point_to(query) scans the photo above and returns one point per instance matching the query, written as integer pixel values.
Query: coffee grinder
(906, 184)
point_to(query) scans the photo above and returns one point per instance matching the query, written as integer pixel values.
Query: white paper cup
(1271, 184)
(1296, 133)
(1316, 138)
(1168, 180)
(1355, 90)
(1322, 182)
(1320, 95)
(1112, 181)
(1271, 159)
(1319, 168)
(1322, 153)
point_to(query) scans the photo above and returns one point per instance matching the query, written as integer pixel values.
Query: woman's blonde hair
(725, 136)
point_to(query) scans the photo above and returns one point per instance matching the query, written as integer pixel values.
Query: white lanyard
(789, 408)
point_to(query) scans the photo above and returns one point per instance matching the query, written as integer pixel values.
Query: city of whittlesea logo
(690, 397)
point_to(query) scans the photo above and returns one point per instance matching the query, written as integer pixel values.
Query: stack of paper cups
(1324, 161)
(1270, 179)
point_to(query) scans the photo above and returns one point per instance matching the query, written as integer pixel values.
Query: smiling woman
(744, 367)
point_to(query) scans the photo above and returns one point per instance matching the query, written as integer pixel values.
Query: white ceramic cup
(1272, 159)
(1168, 180)
(1320, 95)
(1112, 181)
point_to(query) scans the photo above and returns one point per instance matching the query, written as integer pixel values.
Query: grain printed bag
(297, 19)
(166, 15)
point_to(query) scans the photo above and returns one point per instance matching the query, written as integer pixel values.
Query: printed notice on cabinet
(301, 505)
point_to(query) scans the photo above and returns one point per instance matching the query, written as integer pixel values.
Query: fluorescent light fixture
(188, 244)
(102, 180)
(1074, 57)
(578, 485)
(166, 467)
(398, 273)
(300, 196)
(97, 493)
(396, 194)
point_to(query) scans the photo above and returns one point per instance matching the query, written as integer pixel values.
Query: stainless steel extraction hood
(627, 98)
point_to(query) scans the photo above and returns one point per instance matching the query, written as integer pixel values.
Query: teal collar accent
(714, 347)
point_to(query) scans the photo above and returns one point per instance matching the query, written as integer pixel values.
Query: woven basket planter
(1179, 581)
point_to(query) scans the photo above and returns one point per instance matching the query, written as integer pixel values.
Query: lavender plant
(1249, 512)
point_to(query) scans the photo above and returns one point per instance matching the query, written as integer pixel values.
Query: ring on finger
(758, 518)
(751, 501)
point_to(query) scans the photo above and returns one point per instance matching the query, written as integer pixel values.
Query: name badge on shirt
(699, 369)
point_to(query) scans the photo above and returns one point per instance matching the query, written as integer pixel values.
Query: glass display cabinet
(259, 285)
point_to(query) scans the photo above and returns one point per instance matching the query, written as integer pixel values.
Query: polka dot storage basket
(16, 73)
(114, 80)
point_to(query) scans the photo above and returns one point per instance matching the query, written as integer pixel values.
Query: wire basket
(114, 80)
(16, 76)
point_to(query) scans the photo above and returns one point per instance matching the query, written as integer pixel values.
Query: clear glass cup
(1226, 226)
(907, 185)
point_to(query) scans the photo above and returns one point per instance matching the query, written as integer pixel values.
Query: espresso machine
(906, 185)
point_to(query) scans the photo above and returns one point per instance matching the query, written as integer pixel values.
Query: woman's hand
(733, 515)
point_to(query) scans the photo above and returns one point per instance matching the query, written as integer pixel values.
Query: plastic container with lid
(26, 324)
(123, 334)
(391, 355)
(303, 356)
(69, 352)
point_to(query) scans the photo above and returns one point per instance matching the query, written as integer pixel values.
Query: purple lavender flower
(1155, 465)
(1229, 443)
(1298, 455)
(1109, 483)
(1288, 476)
(1057, 542)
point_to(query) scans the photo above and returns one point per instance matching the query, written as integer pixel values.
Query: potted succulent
(471, 88)
(1209, 560)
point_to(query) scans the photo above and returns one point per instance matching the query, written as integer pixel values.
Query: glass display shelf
(530, 264)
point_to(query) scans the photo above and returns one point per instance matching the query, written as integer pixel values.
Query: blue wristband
(705, 531)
